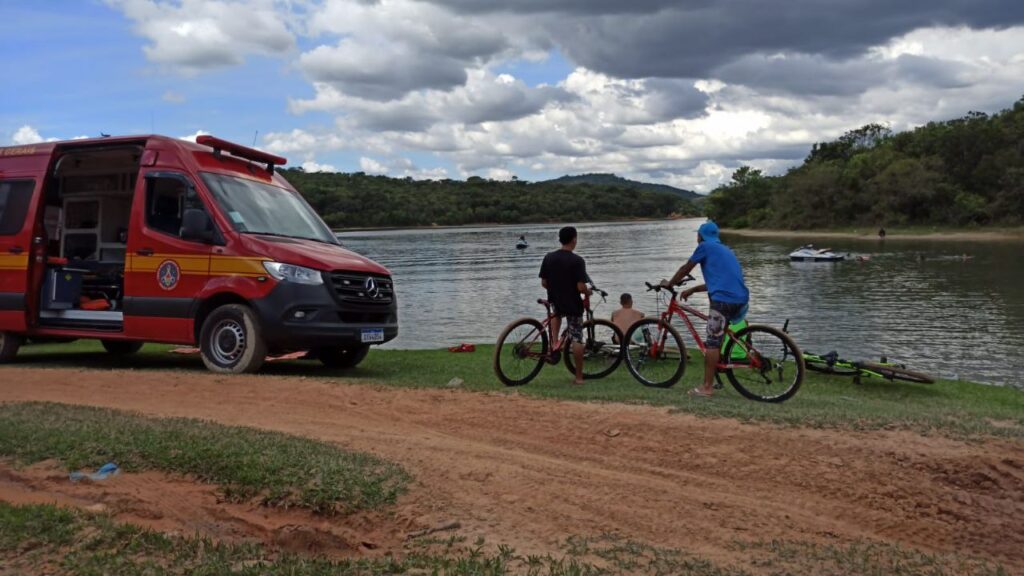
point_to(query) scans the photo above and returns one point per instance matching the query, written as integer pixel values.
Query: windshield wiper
(278, 235)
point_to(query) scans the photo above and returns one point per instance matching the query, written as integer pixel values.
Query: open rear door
(18, 197)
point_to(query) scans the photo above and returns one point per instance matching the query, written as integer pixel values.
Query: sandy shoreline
(998, 235)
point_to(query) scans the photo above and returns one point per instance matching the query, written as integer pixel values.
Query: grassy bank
(949, 407)
(273, 468)
(938, 233)
(45, 539)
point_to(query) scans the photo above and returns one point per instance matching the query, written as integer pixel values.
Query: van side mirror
(197, 226)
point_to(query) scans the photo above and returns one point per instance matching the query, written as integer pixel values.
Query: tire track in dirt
(529, 472)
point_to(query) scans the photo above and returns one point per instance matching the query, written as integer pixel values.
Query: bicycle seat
(543, 302)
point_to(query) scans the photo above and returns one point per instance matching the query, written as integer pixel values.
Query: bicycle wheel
(602, 351)
(897, 373)
(819, 364)
(775, 368)
(655, 353)
(521, 351)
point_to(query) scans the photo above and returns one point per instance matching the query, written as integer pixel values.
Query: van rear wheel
(231, 341)
(9, 344)
(342, 356)
(121, 347)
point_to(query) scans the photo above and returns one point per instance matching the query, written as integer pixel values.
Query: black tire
(602, 350)
(897, 373)
(819, 365)
(9, 344)
(121, 347)
(521, 351)
(655, 364)
(342, 356)
(782, 365)
(231, 341)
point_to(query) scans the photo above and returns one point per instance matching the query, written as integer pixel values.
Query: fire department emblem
(168, 275)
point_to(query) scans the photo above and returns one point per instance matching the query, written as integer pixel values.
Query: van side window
(15, 196)
(167, 198)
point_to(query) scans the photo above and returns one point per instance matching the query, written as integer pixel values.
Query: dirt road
(530, 472)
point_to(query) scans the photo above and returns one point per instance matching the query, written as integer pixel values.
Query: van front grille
(362, 288)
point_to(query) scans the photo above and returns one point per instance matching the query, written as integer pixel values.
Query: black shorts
(721, 315)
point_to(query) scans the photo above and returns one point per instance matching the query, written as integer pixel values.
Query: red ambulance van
(153, 239)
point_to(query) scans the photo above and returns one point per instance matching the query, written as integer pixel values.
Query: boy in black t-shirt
(564, 275)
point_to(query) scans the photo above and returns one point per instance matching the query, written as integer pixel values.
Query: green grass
(45, 539)
(275, 469)
(954, 408)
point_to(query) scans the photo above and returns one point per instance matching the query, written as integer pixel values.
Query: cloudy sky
(674, 91)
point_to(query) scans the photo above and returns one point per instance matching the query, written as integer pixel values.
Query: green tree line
(361, 200)
(967, 171)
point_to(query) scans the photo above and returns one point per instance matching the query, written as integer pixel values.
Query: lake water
(919, 302)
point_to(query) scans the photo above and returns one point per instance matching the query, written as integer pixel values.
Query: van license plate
(373, 335)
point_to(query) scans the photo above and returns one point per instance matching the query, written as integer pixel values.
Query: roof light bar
(219, 145)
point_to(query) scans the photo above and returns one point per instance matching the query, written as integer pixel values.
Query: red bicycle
(761, 362)
(523, 347)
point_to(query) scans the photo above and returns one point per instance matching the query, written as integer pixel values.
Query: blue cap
(708, 231)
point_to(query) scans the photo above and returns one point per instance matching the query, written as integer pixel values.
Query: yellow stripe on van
(237, 266)
(205, 265)
(13, 261)
(188, 263)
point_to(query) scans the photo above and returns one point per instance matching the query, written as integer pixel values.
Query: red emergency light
(219, 145)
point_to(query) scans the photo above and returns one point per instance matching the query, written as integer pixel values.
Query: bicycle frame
(684, 311)
(560, 343)
(850, 365)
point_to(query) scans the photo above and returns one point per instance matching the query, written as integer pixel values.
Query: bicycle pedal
(555, 357)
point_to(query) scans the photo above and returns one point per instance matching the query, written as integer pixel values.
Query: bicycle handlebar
(671, 289)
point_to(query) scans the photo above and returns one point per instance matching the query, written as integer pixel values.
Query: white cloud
(500, 174)
(173, 97)
(197, 35)
(400, 167)
(649, 97)
(26, 135)
(192, 137)
(371, 166)
(312, 166)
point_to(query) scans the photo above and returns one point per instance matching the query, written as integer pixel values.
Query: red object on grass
(463, 348)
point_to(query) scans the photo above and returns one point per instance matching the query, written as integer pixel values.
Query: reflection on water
(915, 301)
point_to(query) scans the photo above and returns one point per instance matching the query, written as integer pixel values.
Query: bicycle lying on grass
(761, 362)
(831, 363)
(523, 346)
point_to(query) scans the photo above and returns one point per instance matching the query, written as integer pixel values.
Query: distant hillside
(620, 182)
(363, 200)
(967, 171)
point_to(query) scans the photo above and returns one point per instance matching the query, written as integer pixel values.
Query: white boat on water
(521, 244)
(809, 253)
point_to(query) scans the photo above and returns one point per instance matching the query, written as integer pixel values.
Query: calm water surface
(919, 302)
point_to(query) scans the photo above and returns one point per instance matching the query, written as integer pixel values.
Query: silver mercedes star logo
(372, 290)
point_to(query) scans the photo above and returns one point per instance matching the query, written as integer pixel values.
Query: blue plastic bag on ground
(106, 471)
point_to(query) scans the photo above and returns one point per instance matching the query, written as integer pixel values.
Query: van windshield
(257, 208)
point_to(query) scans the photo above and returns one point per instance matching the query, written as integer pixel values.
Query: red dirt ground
(530, 472)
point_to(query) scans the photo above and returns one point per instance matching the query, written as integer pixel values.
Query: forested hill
(620, 182)
(361, 200)
(958, 172)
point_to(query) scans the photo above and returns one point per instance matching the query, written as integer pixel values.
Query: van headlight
(293, 273)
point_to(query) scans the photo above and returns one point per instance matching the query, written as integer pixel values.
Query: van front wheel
(9, 344)
(342, 357)
(231, 341)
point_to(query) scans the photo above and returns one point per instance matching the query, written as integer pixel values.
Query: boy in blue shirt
(728, 294)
